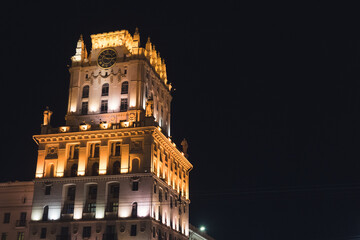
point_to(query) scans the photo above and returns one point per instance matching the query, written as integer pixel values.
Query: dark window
(105, 90)
(43, 233)
(114, 190)
(104, 106)
(92, 192)
(154, 187)
(124, 88)
(7, 218)
(133, 230)
(47, 190)
(73, 171)
(86, 232)
(84, 108)
(45, 213)
(4, 236)
(85, 92)
(134, 210)
(160, 195)
(135, 186)
(116, 167)
(71, 193)
(95, 169)
(123, 105)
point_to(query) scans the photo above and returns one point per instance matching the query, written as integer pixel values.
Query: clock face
(107, 58)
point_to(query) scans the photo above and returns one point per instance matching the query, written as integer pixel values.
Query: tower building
(112, 172)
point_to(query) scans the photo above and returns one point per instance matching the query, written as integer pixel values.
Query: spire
(136, 38)
(81, 52)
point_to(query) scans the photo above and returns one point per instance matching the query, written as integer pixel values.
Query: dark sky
(267, 95)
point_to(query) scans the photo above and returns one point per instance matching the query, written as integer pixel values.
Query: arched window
(116, 167)
(135, 166)
(134, 210)
(73, 170)
(95, 169)
(125, 87)
(45, 213)
(105, 90)
(85, 92)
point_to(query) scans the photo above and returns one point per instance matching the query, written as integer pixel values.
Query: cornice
(94, 135)
(90, 179)
(171, 147)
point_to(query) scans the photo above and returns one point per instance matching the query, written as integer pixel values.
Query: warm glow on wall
(102, 171)
(36, 214)
(78, 212)
(60, 174)
(124, 212)
(39, 175)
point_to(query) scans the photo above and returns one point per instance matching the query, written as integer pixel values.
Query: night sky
(267, 96)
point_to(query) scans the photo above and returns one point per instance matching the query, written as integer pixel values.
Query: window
(92, 192)
(73, 171)
(95, 169)
(133, 230)
(86, 232)
(116, 167)
(124, 88)
(20, 236)
(7, 218)
(104, 106)
(105, 90)
(4, 236)
(155, 187)
(45, 213)
(114, 190)
(134, 210)
(85, 92)
(84, 108)
(94, 150)
(135, 186)
(47, 190)
(43, 233)
(74, 152)
(123, 105)
(160, 195)
(115, 149)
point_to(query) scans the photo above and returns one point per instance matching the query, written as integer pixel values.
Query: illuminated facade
(15, 209)
(112, 172)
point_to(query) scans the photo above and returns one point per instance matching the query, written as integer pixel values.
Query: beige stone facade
(112, 172)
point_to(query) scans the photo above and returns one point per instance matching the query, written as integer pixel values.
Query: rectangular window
(135, 186)
(4, 236)
(47, 190)
(7, 218)
(104, 106)
(123, 105)
(133, 230)
(43, 233)
(86, 232)
(84, 108)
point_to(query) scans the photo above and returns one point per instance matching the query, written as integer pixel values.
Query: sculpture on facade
(149, 109)
(185, 146)
(47, 116)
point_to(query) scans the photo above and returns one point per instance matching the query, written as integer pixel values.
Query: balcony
(20, 223)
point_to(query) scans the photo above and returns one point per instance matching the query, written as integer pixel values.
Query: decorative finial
(185, 146)
(47, 116)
